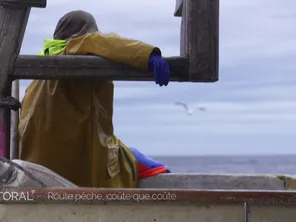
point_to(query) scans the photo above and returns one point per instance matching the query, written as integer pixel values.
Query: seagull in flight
(190, 111)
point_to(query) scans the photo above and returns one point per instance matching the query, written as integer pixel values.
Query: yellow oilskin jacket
(66, 125)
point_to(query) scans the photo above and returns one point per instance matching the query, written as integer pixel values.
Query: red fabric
(146, 172)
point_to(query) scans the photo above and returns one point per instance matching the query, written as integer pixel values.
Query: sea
(230, 164)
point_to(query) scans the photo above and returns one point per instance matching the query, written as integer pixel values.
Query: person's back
(67, 125)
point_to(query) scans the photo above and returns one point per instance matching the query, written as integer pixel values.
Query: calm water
(232, 164)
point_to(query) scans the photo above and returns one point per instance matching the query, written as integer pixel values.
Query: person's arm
(113, 47)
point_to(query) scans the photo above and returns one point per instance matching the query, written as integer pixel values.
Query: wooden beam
(13, 22)
(24, 3)
(179, 8)
(69, 67)
(200, 39)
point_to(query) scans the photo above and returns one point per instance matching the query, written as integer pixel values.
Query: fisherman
(66, 125)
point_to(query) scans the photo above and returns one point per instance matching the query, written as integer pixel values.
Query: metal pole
(4, 132)
(246, 212)
(14, 138)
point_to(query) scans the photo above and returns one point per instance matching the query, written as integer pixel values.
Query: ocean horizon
(231, 164)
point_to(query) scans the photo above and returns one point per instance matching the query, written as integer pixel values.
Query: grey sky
(251, 110)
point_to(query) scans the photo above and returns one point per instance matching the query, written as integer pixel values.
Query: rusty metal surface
(145, 196)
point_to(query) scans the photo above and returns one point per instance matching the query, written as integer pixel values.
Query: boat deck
(147, 196)
(171, 197)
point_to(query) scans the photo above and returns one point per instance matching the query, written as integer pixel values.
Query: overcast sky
(251, 110)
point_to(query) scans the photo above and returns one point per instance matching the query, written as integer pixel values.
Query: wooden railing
(198, 60)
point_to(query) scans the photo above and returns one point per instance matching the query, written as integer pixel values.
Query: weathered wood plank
(13, 23)
(65, 67)
(200, 41)
(25, 3)
(179, 8)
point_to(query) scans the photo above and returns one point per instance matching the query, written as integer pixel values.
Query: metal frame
(198, 61)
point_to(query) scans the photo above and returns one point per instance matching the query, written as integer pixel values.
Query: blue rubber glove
(160, 70)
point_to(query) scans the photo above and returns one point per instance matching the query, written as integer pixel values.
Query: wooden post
(200, 38)
(14, 16)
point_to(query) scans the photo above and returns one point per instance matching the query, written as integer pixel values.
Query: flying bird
(190, 111)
